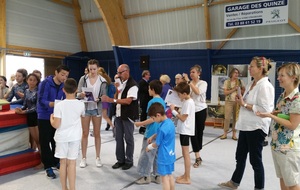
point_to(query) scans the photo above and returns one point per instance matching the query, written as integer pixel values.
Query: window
(13, 63)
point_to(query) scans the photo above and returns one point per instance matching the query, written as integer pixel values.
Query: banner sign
(256, 13)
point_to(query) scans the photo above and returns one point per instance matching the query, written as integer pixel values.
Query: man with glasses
(127, 107)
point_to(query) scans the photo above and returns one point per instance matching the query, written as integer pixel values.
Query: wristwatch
(115, 100)
(245, 105)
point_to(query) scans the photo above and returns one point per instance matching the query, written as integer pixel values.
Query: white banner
(256, 13)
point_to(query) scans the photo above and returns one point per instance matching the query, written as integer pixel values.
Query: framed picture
(242, 68)
(219, 70)
(216, 111)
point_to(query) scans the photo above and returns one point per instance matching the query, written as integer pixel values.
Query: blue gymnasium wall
(77, 62)
(171, 62)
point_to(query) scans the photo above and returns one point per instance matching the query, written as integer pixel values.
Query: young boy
(66, 119)
(148, 159)
(185, 127)
(165, 141)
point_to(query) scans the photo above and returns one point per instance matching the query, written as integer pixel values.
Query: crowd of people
(58, 133)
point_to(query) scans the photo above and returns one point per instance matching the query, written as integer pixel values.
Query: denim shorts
(91, 112)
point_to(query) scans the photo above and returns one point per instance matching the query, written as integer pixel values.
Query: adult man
(127, 107)
(50, 90)
(144, 97)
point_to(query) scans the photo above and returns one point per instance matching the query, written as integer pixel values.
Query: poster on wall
(221, 81)
(219, 78)
(219, 70)
(243, 69)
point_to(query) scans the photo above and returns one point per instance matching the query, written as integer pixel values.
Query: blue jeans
(250, 142)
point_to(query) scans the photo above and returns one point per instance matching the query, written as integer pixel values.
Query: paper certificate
(89, 96)
(173, 98)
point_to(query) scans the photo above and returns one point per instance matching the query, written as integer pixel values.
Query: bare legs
(34, 134)
(67, 171)
(85, 121)
(284, 187)
(107, 119)
(168, 182)
(185, 178)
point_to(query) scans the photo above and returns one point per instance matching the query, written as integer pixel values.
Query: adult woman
(231, 87)
(93, 110)
(18, 89)
(165, 80)
(258, 96)
(286, 129)
(178, 79)
(3, 87)
(198, 94)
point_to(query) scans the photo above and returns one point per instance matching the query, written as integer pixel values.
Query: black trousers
(46, 134)
(197, 140)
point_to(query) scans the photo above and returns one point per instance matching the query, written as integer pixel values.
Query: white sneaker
(98, 162)
(82, 163)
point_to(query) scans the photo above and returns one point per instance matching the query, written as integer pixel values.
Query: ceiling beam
(294, 25)
(60, 2)
(2, 36)
(224, 2)
(122, 6)
(165, 10)
(231, 33)
(114, 21)
(77, 14)
(14, 48)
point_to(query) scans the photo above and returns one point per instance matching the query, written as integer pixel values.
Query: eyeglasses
(121, 72)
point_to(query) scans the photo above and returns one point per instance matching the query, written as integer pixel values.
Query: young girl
(18, 89)
(106, 105)
(29, 107)
(3, 87)
(186, 127)
(93, 110)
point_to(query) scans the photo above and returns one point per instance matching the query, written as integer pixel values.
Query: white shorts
(287, 167)
(69, 150)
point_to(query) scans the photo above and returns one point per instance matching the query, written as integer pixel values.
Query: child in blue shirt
(165, 142)
(147, 160)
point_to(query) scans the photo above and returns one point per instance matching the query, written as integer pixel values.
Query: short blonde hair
(178, 76)
(292, 70)
(165, 79)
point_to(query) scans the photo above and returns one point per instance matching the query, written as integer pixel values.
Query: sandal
(198, 162)
(223, 137)
(234, 138)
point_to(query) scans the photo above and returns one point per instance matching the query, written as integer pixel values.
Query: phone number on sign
(244, 22)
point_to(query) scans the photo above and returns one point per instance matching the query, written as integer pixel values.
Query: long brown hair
(103, 73)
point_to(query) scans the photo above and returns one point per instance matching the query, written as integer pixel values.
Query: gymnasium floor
(217, 166)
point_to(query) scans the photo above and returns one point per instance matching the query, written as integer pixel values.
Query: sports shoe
(50, 173)
(83, 163)
(118, 165)
(143, 180)
(98, 162)
(228, 185)
(156, 179)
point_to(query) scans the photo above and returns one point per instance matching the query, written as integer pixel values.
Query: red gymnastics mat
(9, 118)
(19, 161)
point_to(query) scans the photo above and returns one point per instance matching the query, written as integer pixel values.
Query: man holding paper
(127, 107)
